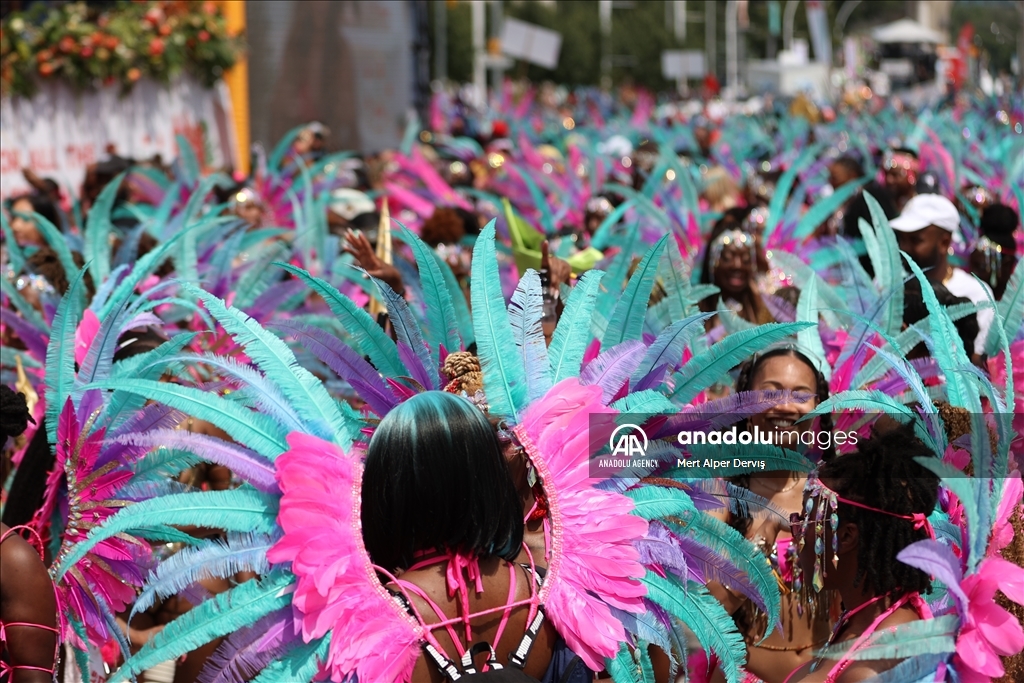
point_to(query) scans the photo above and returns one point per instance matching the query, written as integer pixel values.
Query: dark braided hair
(883, 474)
(14, 414)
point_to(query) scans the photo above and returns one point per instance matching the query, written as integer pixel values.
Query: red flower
(87, 52)
(111, 42)
(210, 7)
(204, 36)
(156, 47)
(66, 44)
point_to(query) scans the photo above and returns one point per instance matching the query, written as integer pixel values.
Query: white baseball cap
(349, 203)
(928, 209)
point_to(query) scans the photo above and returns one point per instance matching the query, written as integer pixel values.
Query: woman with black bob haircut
(860, 511)
(440, 513)
(435, 480)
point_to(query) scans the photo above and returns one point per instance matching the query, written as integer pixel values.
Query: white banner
(58, 133)
(817, 23)
(531, 43)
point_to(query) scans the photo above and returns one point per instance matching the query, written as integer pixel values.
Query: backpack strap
(522, 653)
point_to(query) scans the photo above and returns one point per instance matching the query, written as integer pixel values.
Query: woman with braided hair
(860, 511)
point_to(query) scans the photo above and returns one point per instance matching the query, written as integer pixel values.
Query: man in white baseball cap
(925, 230)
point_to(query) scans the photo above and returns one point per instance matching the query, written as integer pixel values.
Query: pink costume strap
(919, 519)
(457, 588)
(8, 669)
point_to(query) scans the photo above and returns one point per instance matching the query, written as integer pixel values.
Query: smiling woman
(731, 255)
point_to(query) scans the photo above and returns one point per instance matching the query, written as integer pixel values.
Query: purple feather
(652, 379)
(659, 549)
(781, 310)
(242, 461)
(344, 361)
(34, 340)
(153, 416)
(273, 299)
(713, 567)
(249, 649)
(938, 560)
(613, 367)
(414, 365)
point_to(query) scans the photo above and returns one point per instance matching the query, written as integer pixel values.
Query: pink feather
(592, 564)
(86, 332)
(337, 584)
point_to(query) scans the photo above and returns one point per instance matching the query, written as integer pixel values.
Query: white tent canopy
(906, 31)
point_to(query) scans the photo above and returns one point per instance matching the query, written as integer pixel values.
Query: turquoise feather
(281, 149)
(458, 299)
(442, 323)
(667, 348)
(57, 241)
(827, 294)
(705, 369)
(15, 256)
(809, 339)
(256, 431)
(784, 185)
(98, 228)
(604, 230)
(572, 334)
(365, 331)
(631, 665)
(242, 509)
(824, 208)
(925, 636)
(695, 606)
(273, 357)
(653, 502)
(889, 268)
(627, 320)
(225, 613)
(209, 559)
(948, 348)
(525, 312)
(615, 279)
(60, 354)
(139, 272)
(301, 664)
(505, 382)
(675, 276)
(1010, 309)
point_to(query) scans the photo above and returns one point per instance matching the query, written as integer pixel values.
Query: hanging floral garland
(87, 47)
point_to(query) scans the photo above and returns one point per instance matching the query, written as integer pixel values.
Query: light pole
(604, 8)
(789, 15)
(842, 17)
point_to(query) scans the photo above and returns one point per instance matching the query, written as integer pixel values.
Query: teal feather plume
(948, 348)
(442, 322)
(919, 669)
(695, 607)
(642, 203)
(225, 613)
(60, 354)
(242, 509)
(627, 320)
(254, 430)
(275, 359)
(281, 149)
(925, 636)
(258, 277)
(99, 357)
(654, 502)
(604, 230)
(889, 268)
(301, 664)
(15, 256)
(505, 382)
(809, 339)
(572, 333)
(783, 187)
(525, 312)
(238, 552)
(824, 208)
(1010, 310)
(730, 320)
(122, 404)
(827, 294)
(724, 541)
(458, 299)
(8, 356)
(98, 227)
(675, 276)
(614, 281)
(667, 348)
(705, 369)
(139, 272)
(631, 665)
(365, 331)
(57, 241)
(187, 159)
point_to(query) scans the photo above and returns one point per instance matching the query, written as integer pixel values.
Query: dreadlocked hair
(14, 413)
(883, 474)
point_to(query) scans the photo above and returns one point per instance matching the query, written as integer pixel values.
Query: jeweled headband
(731, 238)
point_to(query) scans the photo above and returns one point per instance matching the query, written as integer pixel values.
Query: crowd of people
(342, 418)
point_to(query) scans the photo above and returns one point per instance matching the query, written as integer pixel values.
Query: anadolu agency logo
(628, 441)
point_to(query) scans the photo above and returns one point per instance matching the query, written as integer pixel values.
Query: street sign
(531, 43)
(676, 64)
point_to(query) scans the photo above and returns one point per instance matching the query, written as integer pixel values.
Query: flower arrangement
(86, 46)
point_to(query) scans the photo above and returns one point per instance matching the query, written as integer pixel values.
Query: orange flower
(164, 30)
(66, 44)
(44, 56)
(46, 68)
(134, 74)
(111, 42)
